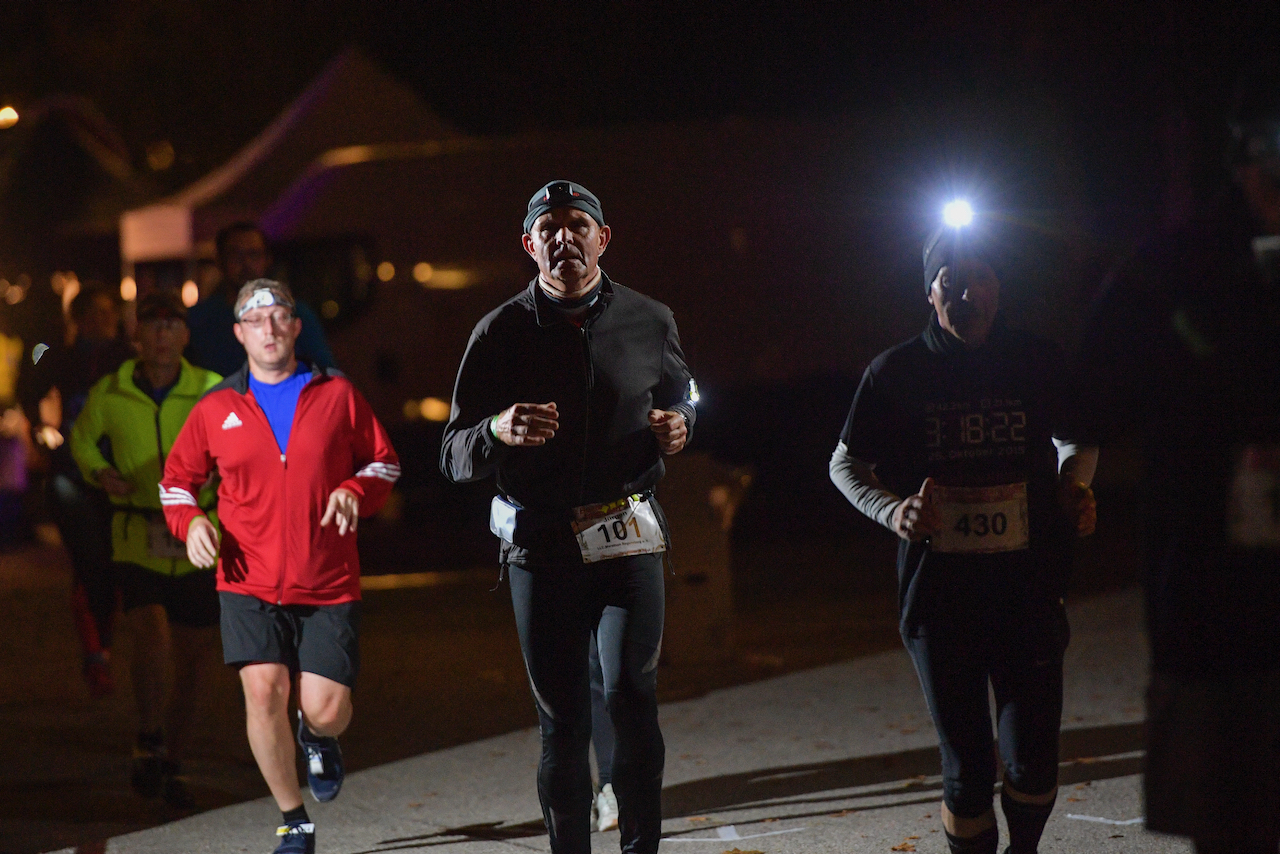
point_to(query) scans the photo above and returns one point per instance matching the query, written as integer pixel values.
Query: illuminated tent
(351, 102)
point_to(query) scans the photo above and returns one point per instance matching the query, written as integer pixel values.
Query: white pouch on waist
(162, 544)
(981, 520)
(502, 519)
(1253, 517)
(618, 529)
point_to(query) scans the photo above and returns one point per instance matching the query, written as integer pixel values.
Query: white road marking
(1105, 820)
(728, 833)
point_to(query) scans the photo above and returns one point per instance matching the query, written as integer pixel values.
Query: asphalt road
(441, 667)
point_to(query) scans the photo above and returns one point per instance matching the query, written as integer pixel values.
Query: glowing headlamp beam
(957, 214)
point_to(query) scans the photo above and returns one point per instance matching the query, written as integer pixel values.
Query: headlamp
(957, 213)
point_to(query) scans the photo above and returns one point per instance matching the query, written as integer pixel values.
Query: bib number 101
(619, 529)
(981, 524)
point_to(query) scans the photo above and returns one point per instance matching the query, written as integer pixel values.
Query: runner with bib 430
(963, 421)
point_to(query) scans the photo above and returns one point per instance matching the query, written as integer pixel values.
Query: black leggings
(602, 737)
(955, 656)
(557, 609)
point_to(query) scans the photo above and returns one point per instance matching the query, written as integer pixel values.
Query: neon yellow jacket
(140, 434)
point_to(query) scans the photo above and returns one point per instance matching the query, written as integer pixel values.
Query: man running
(170, 605)
(301, 457)
(950, 444)
(581, 532)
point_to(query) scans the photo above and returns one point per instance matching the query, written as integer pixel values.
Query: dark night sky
(208, 76)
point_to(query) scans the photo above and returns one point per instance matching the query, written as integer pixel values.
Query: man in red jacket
(301, 457)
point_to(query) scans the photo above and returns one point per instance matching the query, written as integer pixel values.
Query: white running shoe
(606, 809)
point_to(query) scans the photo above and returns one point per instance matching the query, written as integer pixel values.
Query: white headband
(261, 298)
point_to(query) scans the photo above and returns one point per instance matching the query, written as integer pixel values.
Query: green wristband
(493, 426)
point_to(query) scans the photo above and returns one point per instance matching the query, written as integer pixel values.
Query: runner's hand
(202, 542)
(112, 481)
(527, 424)
(1078, 503)
(344, 506)
(669, 427)
(916, 517)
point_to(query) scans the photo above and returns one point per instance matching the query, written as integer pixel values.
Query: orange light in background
(329, 309)
(160, 155)
(8, 117)
(422, 271)
(128, 289)
(190, 293)
(450, 279)
(412, 410)
(435, 409)
(386, 271)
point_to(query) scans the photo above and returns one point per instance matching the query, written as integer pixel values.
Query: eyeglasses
(277, 319)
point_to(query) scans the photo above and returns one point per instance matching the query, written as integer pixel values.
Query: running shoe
(606, 809)
(296, 837)
(146, 772)
(173, 788)
(324, 762)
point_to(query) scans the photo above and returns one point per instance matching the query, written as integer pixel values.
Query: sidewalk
(840, 758)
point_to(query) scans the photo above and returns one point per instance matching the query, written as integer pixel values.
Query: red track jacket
(270, 506)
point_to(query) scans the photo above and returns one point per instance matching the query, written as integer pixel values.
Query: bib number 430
(982, 520)
(980, 524)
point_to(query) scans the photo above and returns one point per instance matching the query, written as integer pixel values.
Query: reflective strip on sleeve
(175, 496)
(389, 472)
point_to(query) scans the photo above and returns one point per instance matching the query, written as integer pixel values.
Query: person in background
(1180, 349)
(170, 605)
(53, 389)
(243, 255)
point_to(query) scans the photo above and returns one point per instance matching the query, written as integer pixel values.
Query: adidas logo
(232, 421)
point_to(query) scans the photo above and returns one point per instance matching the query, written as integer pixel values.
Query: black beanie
(947, 245)
(562, 194)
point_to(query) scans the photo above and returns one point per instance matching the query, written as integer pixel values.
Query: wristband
(493, 426)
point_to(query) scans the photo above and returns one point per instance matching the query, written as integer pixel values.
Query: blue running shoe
(296, 837)
(324, 763)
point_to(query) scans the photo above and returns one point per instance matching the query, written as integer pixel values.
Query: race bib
(981, 520)
(1253, 515)
(162, 544)
(618, 529)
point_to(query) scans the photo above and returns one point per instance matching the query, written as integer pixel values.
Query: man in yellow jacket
(120, 441)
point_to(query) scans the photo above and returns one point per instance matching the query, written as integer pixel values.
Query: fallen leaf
(841, 814)
(1117, 836)
(1074, 800)
(767, 820)
(415, 805)
(698, 818)
(906, 846)
(741, 851)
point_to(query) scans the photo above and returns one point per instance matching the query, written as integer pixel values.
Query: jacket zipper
(589, 373)
(173, 562)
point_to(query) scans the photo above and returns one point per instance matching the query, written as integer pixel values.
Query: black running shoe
(146, 772)
(324, 762)
(173, 788)
(296, 837)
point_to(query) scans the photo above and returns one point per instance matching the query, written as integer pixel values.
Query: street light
(8, 117)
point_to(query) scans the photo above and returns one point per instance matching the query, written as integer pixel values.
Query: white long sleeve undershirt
(856, 479)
